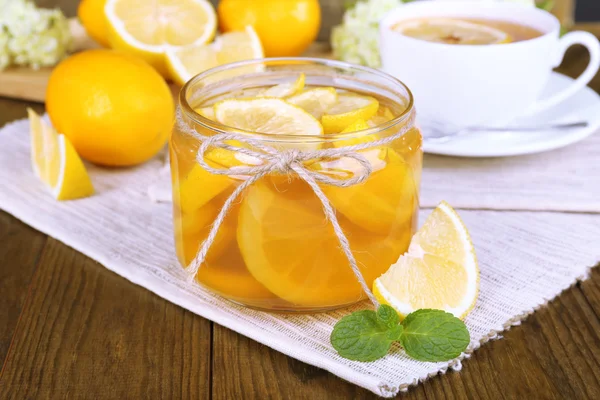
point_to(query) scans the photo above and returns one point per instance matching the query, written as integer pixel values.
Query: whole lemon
(285, 28)
(114, 108)
(91, 15)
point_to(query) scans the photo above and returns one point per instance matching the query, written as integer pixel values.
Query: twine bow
(284, 161)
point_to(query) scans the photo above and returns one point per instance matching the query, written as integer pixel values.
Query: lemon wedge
(271, 116)
(439, 270)
(452, 31)
(286, 89)
(149, 29)
(185, 62)
(348, 109)
(315, 101)
(56, 162)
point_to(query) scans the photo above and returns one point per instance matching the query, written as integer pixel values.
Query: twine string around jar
(284, 161)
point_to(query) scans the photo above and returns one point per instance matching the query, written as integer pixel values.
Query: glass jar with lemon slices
(274, 161)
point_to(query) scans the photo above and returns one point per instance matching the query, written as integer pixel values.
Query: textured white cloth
(566, 179)
(526, 259)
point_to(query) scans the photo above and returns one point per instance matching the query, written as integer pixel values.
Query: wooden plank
(553, 355)
(88, 333)
(245, 369)
(19, 254)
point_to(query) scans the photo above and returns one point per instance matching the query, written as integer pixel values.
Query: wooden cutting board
(30, 84)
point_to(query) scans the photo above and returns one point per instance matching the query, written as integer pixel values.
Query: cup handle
(590, 42)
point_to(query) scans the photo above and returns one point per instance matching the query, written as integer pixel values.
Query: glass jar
(275, 249)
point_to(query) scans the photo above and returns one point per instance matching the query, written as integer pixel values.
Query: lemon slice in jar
(439, 270)
(348, 109)
(452, 31)
(270, 116)
(285, 89)
(386, 201)
(315, 101)
(290, 247)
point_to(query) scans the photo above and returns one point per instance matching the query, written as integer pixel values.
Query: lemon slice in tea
(439, 270)
(452, 31)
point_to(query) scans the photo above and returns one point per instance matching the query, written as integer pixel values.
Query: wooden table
(69, 328)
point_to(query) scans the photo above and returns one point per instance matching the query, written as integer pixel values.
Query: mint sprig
(426, 335)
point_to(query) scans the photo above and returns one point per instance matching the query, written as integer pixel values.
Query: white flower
(356, 40)
(32, 36)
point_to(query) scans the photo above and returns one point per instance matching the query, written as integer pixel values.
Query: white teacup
(462, 86)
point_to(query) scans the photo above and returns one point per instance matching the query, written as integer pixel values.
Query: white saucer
(583, 106)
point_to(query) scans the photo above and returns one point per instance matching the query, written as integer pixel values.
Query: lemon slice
(56, 162)
(315, 101)
(149, 29)
(206, 112)
(290, 248)
(439, 270)
(452, 31)
(347, 110)
(384, 114)
(286, 89)
(185, 62)
(271, 116)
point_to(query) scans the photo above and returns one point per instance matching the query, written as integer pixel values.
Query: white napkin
(526, 259)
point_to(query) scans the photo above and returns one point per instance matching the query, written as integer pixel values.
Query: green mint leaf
(395, 333)
(388, 316)
(434, 335)
(362, 336)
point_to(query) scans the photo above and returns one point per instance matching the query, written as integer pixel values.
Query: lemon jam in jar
(349, 129)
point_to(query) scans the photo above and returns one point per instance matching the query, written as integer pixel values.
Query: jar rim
(222, 128)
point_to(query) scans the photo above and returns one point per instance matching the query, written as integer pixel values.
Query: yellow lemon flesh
(56, 162)
(315, 101)
(286, 89)
(148, 29)
(348, 109)
(289, 246)
(439, 270)
(185, 62)
(270, 116)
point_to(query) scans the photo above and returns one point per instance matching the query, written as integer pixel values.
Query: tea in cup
(472, 64)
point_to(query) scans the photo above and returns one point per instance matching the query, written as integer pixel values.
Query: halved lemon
(185, 62)
(439, 270)
(315, 101)
(149, 29)
(271, 116)
(348, 109)
(56, 162)
(290, 247)
(452, 31)
(286, 89)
